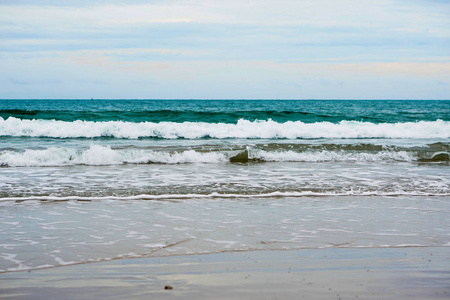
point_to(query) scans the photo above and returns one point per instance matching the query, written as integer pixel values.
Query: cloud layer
(225, 49)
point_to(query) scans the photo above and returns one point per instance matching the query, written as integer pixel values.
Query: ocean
(84, 181)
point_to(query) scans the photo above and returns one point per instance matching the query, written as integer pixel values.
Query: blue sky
(210, 49)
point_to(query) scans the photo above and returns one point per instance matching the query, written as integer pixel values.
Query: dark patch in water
(240, 157)
(436, 158)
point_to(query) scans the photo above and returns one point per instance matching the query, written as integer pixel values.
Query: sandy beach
(377, 273)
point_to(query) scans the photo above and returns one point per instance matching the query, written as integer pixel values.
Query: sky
(225, 49)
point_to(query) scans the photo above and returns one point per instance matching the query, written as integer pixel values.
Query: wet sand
(338, 273)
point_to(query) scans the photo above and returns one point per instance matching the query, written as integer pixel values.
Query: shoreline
(332, 273)
(149, 255)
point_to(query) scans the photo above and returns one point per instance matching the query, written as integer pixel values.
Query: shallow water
(37, 234)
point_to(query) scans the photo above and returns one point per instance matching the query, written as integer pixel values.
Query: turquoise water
(227, 111)
(191, 134)
(93, 180)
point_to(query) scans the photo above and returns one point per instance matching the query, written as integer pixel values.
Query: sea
(83, 181)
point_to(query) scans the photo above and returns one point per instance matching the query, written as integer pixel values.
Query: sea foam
(278, 194)
(105, 155)
(243, 129)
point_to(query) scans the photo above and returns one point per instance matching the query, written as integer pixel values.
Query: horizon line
(225, 99)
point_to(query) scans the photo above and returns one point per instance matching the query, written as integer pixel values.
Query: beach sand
(335, 273)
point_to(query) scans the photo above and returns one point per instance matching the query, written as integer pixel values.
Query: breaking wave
(243, 129)
(102, 155)
(105, 155)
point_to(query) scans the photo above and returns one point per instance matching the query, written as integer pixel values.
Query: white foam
(104, 155)
(326, 156)
(163, 197)
(60, 261)
(243, 129)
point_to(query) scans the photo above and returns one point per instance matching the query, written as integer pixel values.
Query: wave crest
(243, 129)
(102, 155)
(105, 155)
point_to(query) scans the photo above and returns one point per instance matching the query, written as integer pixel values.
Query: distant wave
(167, 115)
(104, 155)
(244, 129)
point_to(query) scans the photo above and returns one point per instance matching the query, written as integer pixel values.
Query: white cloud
(282, 12)
(248, 46)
